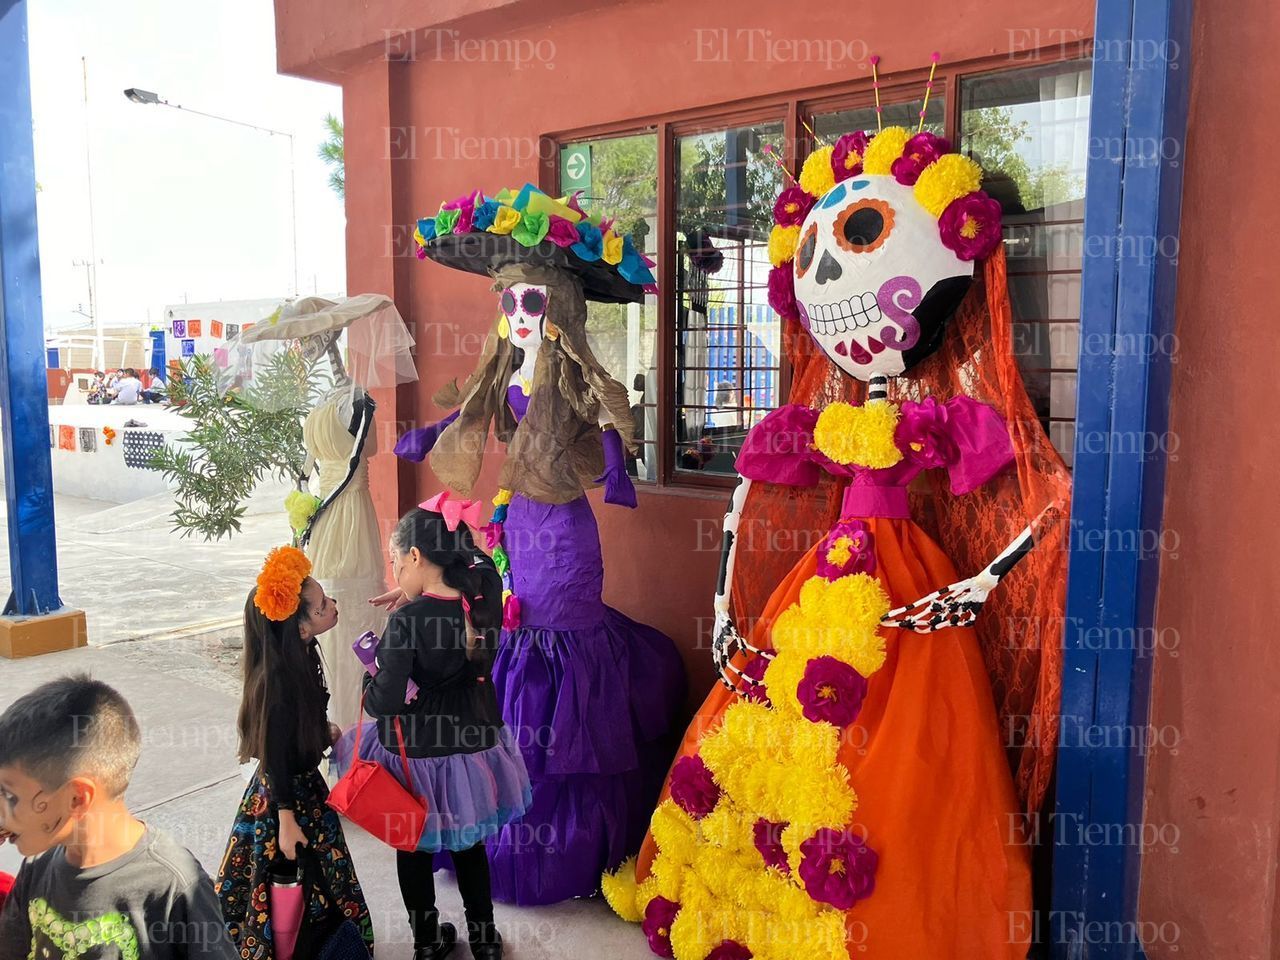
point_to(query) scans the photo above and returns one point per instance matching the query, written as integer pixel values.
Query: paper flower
(970, 226)
(846, 159)
(658, 917)
(730, 950)
(531, 229)
(301, 507)
(948, 178)
(862, 436)
(846, 549)
(504, 221)
(831, 691)
(280, 583)
(782, 292)
(484, 215)
(836, 867)
(446, 220)
(611, 248)
(816, 176)
(561, 232)
(782, 244)
(693, 788)
(768, 840)
(791, 207)
(922, 434)
(426, 230)
(884, 148)
(920, 151)
(754, 670)
(590, 243)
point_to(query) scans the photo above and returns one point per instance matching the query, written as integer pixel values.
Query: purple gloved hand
(618, 488)
(416, 444)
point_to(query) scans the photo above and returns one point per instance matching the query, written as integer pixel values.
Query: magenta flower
(922, 434)
(848, 548)
(792, 206)
(831, 691)
(561, 232)
(466, 207)
(658, 917)
(920, 151)
(693, 788)
(768, 840)
(782, 292)
(846, 159)
(837, 868)
(754, 670)
(970, 226)
(730, 950)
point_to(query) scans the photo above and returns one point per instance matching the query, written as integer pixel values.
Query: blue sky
(185, 207)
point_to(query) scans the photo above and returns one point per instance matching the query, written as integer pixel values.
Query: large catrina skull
(524, 307)
(874, 283)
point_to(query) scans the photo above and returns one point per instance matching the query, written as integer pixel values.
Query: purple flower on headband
(792, 206)
(922, 434)
(658, 917)
(561, 232)
(970, 226)
(782, 291)
(846, 549)
(831, 691)
(693, 788)
(730, 950)
(768, 840)
(837, 868)
(920, 151)
(846, 158)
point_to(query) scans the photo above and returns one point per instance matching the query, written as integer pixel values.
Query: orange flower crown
(280, 583)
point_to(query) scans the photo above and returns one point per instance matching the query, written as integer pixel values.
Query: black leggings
(418, 888)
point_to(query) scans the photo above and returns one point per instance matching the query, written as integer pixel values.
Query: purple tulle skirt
(593, 699)
(470, 796)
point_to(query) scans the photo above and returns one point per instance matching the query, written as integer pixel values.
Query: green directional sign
(575, 168)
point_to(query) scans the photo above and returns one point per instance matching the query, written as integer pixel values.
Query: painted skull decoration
(874, 284)
(524, 314)
(874, 249)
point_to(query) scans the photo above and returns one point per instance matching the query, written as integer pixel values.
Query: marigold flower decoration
(280, 583)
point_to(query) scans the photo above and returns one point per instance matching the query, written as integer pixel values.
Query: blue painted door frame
(24, 393)
(1138, 117)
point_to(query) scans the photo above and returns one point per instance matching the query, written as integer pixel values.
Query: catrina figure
(845, 791)
(593, 695)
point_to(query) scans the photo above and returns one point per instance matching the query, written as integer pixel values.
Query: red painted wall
(457, 114)
(1213, 802)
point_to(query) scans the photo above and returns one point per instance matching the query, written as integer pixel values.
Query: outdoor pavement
(135, 579)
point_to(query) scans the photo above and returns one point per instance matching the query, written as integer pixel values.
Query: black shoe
(442, 947)
(486, 942)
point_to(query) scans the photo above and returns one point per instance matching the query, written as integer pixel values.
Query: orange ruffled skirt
(935, 796)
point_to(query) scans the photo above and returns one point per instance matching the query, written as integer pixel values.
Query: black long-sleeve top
(289, 711)
(456, 709)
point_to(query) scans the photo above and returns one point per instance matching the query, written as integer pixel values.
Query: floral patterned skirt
(243, 885)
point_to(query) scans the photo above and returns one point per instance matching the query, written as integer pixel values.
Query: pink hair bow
(455, 511)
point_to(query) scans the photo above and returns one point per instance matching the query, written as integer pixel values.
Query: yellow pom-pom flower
(301, 507)
(782, 244)
(619, 890)
(862, 436)
(948, 178)
(884, 148)
(816, 176)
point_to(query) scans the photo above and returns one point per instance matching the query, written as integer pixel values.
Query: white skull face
(874, 283)
(525, 307)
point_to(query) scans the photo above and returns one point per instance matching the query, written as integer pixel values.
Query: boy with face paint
(98, 884)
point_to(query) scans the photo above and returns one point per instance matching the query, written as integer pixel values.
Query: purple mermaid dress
(593, 699)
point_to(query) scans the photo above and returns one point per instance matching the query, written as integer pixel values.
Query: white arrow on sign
(576, 166)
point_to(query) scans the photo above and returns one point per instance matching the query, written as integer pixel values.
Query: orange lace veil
(1020, 628)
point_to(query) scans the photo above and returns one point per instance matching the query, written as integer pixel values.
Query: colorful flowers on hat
(782, 291)
(279, 591)
(658, 917)
(846, 156)
(920, 151)
(837, 867)
(792, 206)
(831, 691)
(693, 788)
(970, 226)
(847, 549)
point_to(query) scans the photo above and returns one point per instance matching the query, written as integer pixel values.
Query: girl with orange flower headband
(282, 723)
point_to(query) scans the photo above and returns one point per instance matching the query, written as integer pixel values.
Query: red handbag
(369, 796)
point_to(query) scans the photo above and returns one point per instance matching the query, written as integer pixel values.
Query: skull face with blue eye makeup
(874, 283)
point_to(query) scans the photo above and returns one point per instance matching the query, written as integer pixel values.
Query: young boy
(99, 884)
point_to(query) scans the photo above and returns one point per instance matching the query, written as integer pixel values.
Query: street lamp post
(147, 97)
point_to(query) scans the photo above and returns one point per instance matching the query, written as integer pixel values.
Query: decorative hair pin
(454, 511)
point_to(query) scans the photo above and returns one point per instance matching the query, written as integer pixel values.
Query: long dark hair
(465, 567)
(283, 679)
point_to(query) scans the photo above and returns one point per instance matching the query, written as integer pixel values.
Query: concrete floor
(134, 578)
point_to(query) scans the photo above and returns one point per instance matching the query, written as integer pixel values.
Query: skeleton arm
(725, 639)
(957, 604)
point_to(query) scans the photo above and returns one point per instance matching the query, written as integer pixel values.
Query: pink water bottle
(366, 651)
(286, 908)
